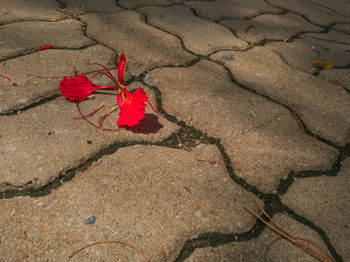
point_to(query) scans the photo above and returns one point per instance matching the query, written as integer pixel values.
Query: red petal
(76, 88)
(121, 68)
(132, 107)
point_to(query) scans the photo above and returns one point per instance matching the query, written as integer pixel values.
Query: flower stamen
(104, 116)
(93, 112)
(9, 79)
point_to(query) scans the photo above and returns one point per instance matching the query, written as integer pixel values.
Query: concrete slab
(24, 37)
(135, 200)
(342, 7)
(301, 52)
(316, 14)
(254, 250)
(220, 9)
(270, 27)
(19, 10)
(86, 6)
(322, 105)
(339, 76)
(133, 4)
(145, 46)
(326, 202)
(39, 143)
(342, 27)
(200, 36)
(262, 139)
(55, 63)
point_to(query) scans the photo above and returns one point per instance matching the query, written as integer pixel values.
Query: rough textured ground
(248, 117)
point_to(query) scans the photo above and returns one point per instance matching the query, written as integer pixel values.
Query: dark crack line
(35, 50)
(291, 110)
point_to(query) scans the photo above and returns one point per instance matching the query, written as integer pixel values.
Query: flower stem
(93, 112)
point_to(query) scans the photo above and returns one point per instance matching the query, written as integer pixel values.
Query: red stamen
(93, 112)
(107, 72)
(45, 47)
(159, 112)
(313, 48)
(56, 96)
(104, 116)
(9, 79)
(102, 73)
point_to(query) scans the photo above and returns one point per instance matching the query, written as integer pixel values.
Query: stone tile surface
(262, 138)
(342, 7)
(199, 35)
(135, 200)
(325, 201)
(87, 6)
(322, 105)
(28, 36)
(253, 250)
(300, 53)
(53, 63)
(339, 76)
(220, 9)
(19, 10)
(144, 46)
(133, 4)
(270, 27)
(37, 144)
(316, 14)
(342, 27)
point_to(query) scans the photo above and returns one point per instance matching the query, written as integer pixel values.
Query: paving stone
(300, 53)
(138, 195)
(18, 10)
(339, 76)
(47, 63)
(269, 26)
(322, 105)
(199, 35)
(262, 138)
(326, 202)
(342, 27)
(219, 9)
(37, 144)
(28, 36)
(254, 250)
(144, 45)
(133, 4)
(314, 13)
(341, 7)
(87, 6)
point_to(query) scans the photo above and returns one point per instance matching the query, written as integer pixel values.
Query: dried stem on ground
(109, 241)
(295, 240)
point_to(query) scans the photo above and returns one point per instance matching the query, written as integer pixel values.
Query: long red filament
(9, 79)
(159, 112)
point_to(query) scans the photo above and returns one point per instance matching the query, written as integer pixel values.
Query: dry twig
(295, 240)
(185, 147)
(108, 241)
(299, 122)
(87, 170)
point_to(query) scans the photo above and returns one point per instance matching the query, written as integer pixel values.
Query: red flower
(79, 88)
(132, 107)
(76, 88)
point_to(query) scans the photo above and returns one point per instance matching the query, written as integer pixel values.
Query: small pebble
(90, 220)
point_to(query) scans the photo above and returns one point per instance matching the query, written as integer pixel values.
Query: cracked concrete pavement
(247, 118)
